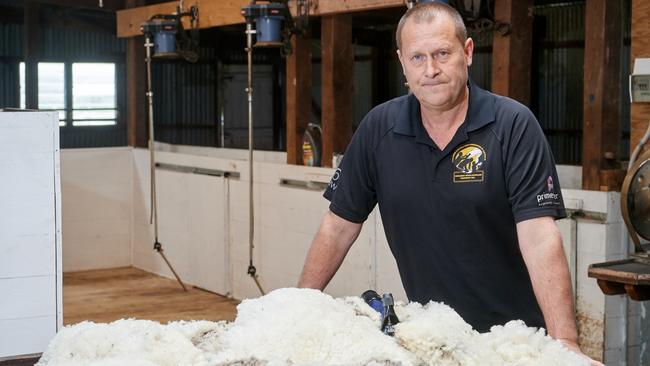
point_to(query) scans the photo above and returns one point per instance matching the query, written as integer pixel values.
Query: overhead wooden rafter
(227, 12)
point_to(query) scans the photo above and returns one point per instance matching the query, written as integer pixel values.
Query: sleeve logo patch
(468, 161)
(334, 183)
(549, 197)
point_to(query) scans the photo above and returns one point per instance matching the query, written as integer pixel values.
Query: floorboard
(111, 294)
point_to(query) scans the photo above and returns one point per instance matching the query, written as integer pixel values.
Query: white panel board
(25, 336)
(30, 242)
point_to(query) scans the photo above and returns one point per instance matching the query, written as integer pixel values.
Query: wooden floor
(111, 294)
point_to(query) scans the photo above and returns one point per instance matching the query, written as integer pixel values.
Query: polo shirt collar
(480, 112)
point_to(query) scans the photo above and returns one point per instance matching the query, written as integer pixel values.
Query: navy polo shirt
(449, 216)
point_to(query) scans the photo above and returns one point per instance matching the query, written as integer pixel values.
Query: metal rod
(152, 162)
(252, 271)
(172, 268)
(153, 219)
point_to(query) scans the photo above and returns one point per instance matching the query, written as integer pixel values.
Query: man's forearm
(332, 242)
(549, 274)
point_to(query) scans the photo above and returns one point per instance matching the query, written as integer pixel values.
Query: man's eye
(417, 58)
(442, 54)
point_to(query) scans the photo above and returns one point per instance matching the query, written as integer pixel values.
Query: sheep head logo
(468, 161)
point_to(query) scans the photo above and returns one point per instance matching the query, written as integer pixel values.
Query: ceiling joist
(227, 12)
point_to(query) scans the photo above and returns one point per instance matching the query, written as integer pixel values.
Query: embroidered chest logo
(468, 161)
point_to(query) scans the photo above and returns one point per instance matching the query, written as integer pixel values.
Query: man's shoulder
(507, 108)
(510, 114)
(381, 118)
(388, 111)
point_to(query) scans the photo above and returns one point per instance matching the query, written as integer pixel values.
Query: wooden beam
(135, 88)
(640, 112)
(227, 12)
(337, 82)
(298, 89)
(31, 53)
(108, 5)
(211, 14)
(513, 50)
(601, 134)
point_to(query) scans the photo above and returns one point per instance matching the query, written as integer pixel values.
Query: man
(466, 187)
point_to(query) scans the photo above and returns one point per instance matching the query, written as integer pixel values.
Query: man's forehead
(439, 31)
(438, 25)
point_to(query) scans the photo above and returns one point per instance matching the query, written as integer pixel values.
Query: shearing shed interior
(179, 182)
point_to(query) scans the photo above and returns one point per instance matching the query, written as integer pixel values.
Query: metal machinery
(631, 276)
(274, 26)
(166, 35)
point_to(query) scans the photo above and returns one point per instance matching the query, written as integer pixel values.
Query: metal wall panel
(67, 45)
(481, 70)
(557, 77)
(185, 102)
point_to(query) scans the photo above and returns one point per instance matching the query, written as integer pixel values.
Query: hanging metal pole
(152, 163)
(252, 271)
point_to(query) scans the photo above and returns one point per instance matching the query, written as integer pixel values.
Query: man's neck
(442, 124)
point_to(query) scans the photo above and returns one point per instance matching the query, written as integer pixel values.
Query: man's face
(435, 62)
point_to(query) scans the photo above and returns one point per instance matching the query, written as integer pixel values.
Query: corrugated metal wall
(557, 77)
(481, 70)
(11, 50)
(67, 45)
(185, 100)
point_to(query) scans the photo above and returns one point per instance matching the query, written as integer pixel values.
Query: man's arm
(332, 242)
(541, 246)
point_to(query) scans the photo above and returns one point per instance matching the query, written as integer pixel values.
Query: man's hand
(573, 347)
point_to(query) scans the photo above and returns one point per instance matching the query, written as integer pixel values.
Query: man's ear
(469, 51)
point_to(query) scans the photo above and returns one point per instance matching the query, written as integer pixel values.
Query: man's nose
(432, 68)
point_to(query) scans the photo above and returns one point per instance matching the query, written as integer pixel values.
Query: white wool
(435, 333)
(307, 327)
(302, 326)
(516, 344)
(142, 342)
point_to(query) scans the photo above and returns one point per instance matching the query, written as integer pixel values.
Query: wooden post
(135, 88)
(337, 83)
(640, 112)
(601, 134)
(31, 53)
(298, 96)
(512, 49)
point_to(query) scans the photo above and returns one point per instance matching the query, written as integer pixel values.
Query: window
(92, 87)
(51, 88)
(93, 94)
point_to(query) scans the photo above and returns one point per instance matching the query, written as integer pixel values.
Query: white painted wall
(286, 218)
(97, 188)
(30, 232)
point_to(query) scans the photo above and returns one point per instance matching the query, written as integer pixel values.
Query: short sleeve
(351, 191)
(531, 177)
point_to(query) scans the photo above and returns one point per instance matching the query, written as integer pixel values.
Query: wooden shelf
(628, 276)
